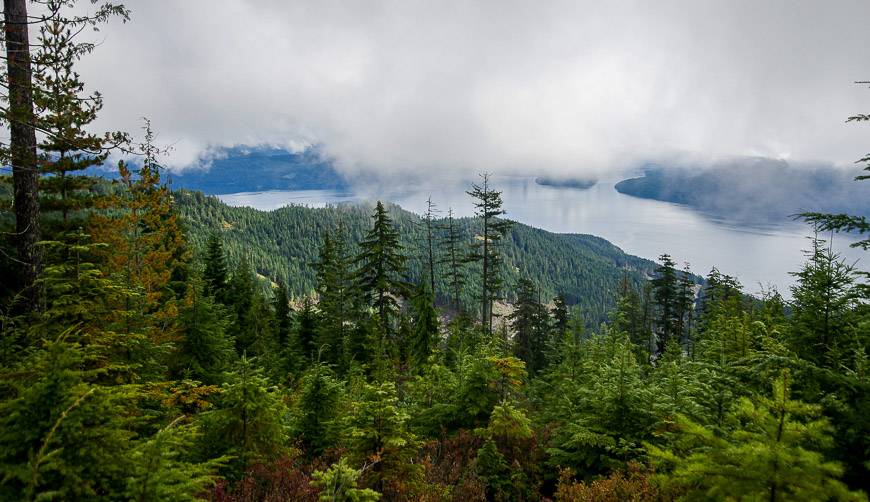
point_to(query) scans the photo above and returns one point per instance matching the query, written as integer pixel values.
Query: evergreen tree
(561, 315)
(429, 223)
(338, 300)
(284, 323)
(770, 452)
(248, 423)
(453, 259)
(318, 408)
(377, 434)
(667, 299)
(381, 268)
(205, 351)
(215, 275)
(339, 484)
(424, 337)
(60, 435)
(306, 330)
(529, 322)
(486, 250)
(823, 303)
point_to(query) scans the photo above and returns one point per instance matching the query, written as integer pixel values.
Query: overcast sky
(508, 86)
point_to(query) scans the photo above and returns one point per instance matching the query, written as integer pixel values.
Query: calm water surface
(760, 256)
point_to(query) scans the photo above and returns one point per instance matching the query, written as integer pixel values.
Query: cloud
(567, 87)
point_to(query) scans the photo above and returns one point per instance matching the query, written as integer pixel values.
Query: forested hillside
(753, 190)
(143, 358)
(282, 245)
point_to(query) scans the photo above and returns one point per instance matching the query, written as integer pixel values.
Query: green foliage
(377, 437)
(248, 423)
(771, 450)
(531, 325)
(339, 484)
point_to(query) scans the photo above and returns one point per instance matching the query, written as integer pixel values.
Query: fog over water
(760, 256)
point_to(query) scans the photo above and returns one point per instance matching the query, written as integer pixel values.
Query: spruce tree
(485, 250)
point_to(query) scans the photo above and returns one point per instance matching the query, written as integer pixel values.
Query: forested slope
(282, 244)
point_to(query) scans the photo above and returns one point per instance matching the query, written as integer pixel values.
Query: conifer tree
(429, 223)
(335, 289)
(823, 303)
(318, 408)
(205, 351)
(529, 321)
(248, 423)
(486, 249)
(283, 326)
(453, 258)
(215, 274)
(339, 484)
(561, 315)
(771, 452)
(424, 337)
(667, 298)
(377, 434)
(380, 276)
(306, 330)
(60, 435)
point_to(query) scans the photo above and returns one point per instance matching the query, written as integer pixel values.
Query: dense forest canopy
(159, 345)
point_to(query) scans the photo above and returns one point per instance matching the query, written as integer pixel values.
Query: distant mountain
(578, 183)
(256, 169)
(753, 190)
(283, 243)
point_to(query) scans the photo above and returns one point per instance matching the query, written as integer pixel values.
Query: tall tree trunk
(23, 147)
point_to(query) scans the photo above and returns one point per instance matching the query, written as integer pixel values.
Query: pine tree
(381, 268)
(306, 330)
(561, 315)
(486, 250)
(429, 223)
(60, 435)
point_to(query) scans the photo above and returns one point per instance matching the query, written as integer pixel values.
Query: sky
(573, 88)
